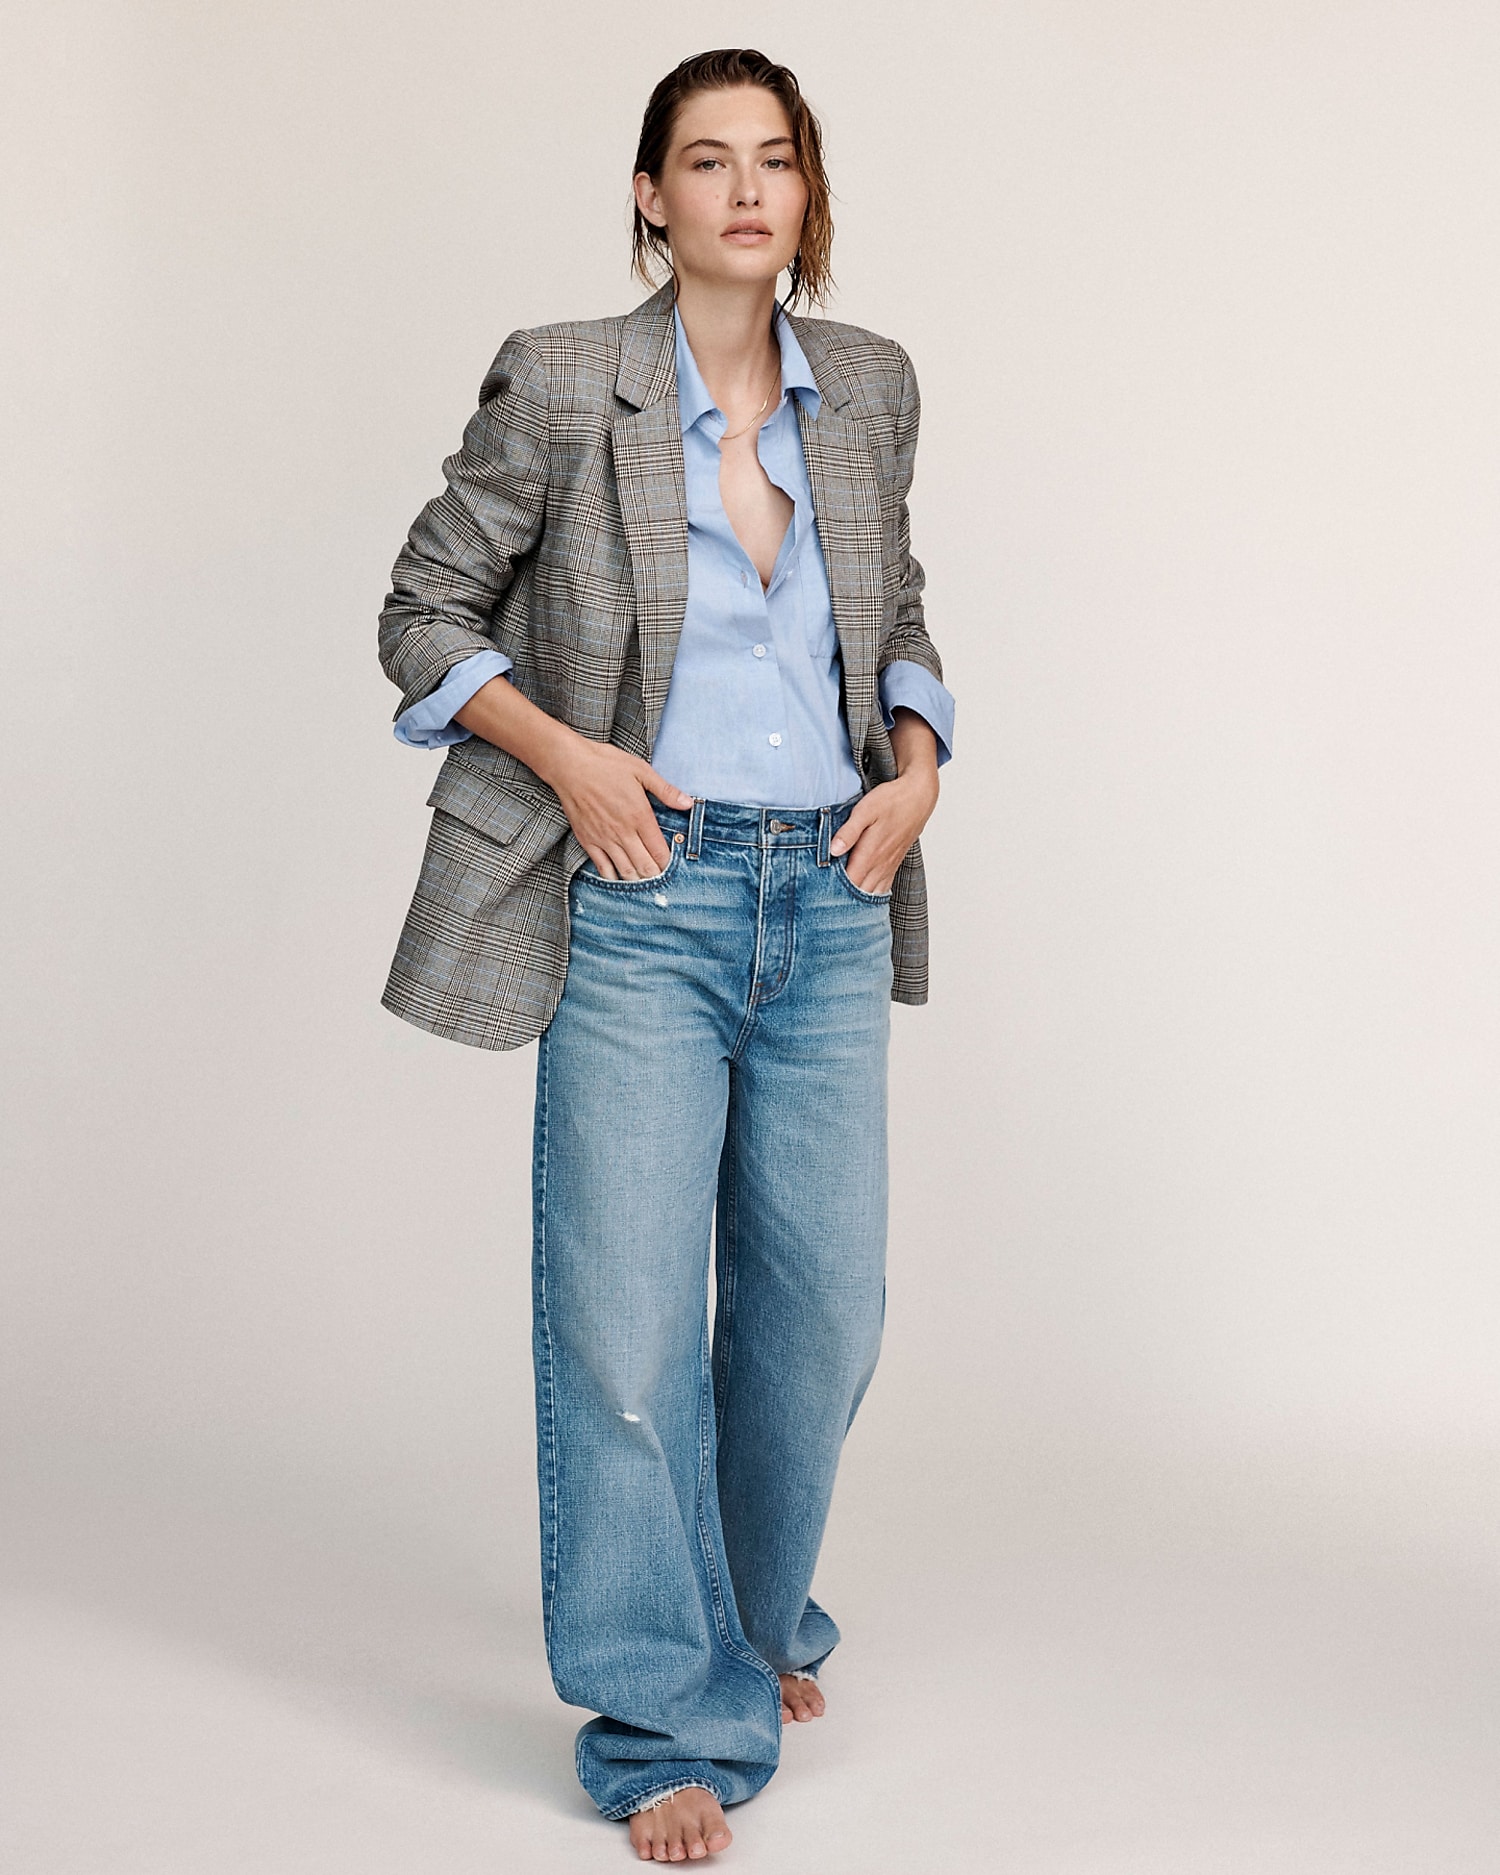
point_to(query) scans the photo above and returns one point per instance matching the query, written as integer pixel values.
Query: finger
(852, 828)
(655, 842)
(602, 860)
(865, 869)
(644, 859)
(663, 789)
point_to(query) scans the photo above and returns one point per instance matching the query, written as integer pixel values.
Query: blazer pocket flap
(502, 810)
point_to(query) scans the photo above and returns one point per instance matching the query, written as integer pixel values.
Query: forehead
(742, 115)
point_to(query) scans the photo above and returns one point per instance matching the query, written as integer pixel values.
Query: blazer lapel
(651, 478)
(846, 501)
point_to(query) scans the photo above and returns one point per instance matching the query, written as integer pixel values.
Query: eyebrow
(717, 143)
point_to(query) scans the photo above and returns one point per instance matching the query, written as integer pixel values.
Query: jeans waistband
(738, 823)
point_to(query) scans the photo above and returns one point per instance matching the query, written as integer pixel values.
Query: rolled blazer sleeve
(463, 549)
(908, 639)
(429, 724)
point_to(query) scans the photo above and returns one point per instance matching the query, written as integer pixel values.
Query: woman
(666, 618)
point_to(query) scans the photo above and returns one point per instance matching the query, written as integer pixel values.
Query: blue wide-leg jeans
(716, 1067)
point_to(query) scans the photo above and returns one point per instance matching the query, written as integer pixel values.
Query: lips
(747, 227)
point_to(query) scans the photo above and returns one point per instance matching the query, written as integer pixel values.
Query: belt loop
(695, 827)
(825, 833)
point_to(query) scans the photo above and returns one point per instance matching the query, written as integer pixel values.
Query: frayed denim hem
(636, 1805)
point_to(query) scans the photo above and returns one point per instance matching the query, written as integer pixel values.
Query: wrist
(556, 751)
(919, 774)
(914, 744)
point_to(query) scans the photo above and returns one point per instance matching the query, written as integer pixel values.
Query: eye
(704, 162)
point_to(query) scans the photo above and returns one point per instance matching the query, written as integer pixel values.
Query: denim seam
(753, 1003)
(705, 1455)
(715, 1583)
(746, 1654)
(768, 846)
(789, 936)
(633, 885)
(726, 1243)
(549, 1570)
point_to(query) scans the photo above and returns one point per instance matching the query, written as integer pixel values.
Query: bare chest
(757, 510)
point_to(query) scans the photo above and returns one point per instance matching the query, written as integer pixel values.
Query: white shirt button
(774, 739)
(759, 650)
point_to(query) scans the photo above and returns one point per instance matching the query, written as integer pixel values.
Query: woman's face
(730, 194)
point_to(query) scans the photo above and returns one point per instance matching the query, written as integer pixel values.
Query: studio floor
(1159, 1668)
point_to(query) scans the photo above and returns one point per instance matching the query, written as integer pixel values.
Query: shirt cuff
(914, 687)
(429, 724)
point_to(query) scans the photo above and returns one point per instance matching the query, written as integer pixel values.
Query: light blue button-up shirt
(752, 712)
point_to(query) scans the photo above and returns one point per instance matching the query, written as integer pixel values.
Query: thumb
(663, 789)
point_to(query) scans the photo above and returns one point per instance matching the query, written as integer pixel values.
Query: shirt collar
(693, 397)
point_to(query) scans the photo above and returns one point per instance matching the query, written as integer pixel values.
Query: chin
(753, 266)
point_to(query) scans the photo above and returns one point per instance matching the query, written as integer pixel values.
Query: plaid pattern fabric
(561, 539)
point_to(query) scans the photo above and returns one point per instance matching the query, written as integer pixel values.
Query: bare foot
(800, 1699)
(687, 1827)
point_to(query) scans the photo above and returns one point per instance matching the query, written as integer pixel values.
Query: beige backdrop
(1166, 1536)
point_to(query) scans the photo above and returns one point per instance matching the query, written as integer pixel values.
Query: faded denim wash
(717, 1062)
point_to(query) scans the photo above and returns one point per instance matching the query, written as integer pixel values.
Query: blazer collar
(648, 354)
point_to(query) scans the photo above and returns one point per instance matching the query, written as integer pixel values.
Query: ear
(647, 200)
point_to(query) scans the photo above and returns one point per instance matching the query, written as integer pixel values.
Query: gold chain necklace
(730, 435)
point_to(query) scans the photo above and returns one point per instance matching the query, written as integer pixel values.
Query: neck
(730, 332)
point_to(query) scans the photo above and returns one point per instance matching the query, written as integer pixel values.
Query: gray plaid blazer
(561, 540)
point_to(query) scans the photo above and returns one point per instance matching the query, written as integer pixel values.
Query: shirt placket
(773, 433)
(758, 610)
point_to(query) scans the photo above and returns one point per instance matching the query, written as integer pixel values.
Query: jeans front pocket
(841, 867)
(591, 875)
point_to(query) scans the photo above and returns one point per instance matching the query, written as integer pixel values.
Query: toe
(800, 1700)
